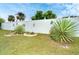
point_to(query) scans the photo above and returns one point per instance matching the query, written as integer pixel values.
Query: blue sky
(29, 9)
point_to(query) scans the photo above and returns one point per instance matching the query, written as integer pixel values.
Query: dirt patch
(25, 34)
(30, 35)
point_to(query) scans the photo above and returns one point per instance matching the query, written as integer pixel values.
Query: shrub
(1, 21)
(20, 29)
(63, 31)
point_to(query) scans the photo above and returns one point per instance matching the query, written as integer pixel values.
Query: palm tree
(11, 18)
(20, 16)
(1, 21)
(63, 31)
(49, 15)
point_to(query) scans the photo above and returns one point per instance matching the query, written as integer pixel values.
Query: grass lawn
(40, 44)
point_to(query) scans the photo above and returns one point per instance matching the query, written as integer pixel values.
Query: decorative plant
(63, 31)
(20, 29)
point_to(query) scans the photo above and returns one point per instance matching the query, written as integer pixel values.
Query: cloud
(70, 9)
(61, 9)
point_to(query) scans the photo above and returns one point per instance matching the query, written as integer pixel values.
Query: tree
(33, 18)
(20, 16)
(11, 18)
(39, 15)
(1, 21)
(63, 31)
(49, 15)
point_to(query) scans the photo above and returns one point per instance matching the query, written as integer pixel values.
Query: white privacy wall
(37, 26)
(8, 26)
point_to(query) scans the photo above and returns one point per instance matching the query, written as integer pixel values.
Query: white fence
(36, 26)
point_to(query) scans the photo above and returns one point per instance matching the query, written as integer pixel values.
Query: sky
(29, 9)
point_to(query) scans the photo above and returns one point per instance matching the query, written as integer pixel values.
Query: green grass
(40, 44)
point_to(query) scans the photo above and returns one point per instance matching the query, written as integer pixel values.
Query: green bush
(1, 21)
(20, 29)
(63, 31)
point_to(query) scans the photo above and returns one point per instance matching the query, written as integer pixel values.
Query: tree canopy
(11, 18)
(1, 20)
(49, 15)
(40, 15)
(20, 16)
